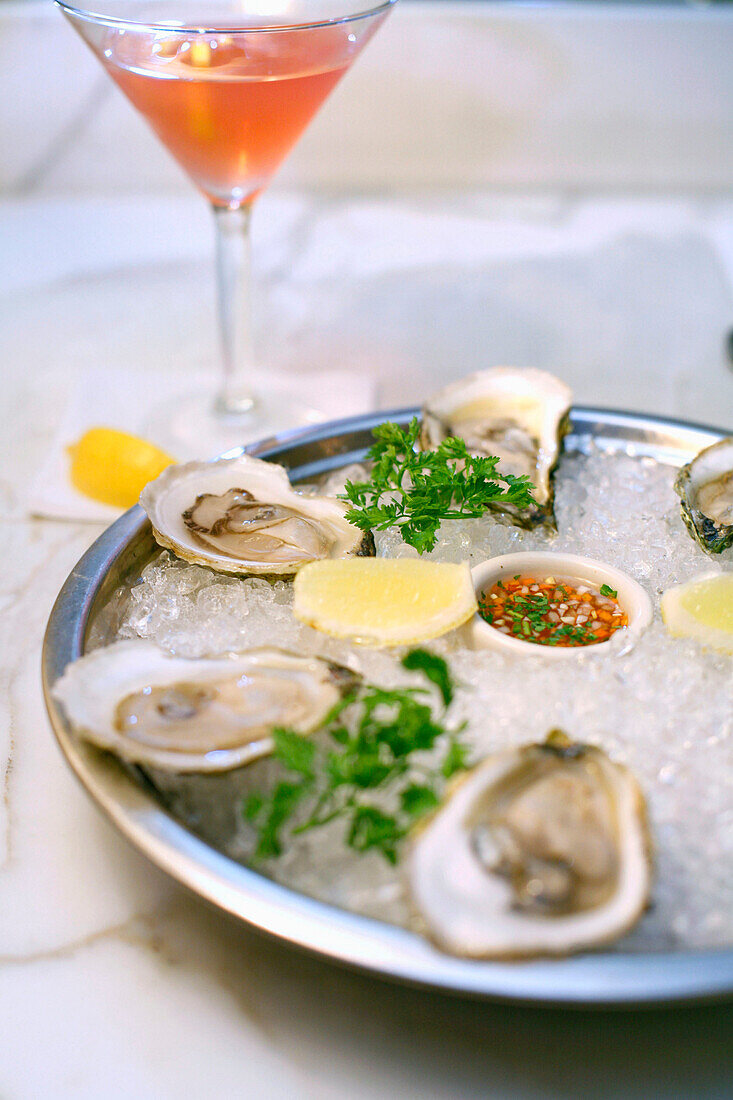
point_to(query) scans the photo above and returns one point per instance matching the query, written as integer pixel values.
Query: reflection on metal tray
(598, 978)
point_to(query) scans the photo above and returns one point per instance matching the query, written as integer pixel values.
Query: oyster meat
(518, 414)
(541, 850)
(242, 515)
(196, 715)
(705, 489)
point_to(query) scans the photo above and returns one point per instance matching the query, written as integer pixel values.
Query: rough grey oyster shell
(242, 515)
(705, 489)
(203, 715)
(518, 414)
(540, 850)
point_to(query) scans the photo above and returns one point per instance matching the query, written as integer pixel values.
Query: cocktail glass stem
(233, 276)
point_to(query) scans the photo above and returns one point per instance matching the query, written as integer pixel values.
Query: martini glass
(228, 86)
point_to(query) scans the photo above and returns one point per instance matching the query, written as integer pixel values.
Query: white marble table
(114, 982)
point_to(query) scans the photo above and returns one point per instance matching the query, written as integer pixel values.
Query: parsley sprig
(416, 490)
(370, 756)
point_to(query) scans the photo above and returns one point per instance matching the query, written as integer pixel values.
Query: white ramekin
(540, 564)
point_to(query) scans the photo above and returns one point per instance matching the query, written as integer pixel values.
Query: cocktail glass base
(191, 427)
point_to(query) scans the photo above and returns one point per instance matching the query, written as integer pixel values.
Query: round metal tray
(366, 944)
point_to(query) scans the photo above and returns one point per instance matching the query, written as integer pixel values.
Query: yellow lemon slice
(383, 602)
(703, 609)
(114, 467)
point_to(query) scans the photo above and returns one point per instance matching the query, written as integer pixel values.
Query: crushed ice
(665, 707)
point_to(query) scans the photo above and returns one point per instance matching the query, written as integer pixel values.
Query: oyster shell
(705, 489)
(196, 715)
(242, 515)
(541, 850)
(518, 414)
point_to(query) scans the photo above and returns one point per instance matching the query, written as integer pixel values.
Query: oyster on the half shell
(541, 850)
(705, 489)
(242, 515)
(196, 715)
(518, 414)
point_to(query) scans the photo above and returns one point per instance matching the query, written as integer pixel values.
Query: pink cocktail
(228, 86)
(230, 107)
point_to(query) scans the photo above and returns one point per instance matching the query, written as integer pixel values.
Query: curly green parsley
(416, 490)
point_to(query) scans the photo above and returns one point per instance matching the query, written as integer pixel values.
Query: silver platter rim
(380, 949)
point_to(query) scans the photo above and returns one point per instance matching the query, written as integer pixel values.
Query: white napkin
(124, 399)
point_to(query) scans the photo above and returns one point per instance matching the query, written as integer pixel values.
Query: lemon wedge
(702, 608)
(384, 602)
(114, 467)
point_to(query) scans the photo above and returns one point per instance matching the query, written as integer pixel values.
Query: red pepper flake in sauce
(552, 612)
